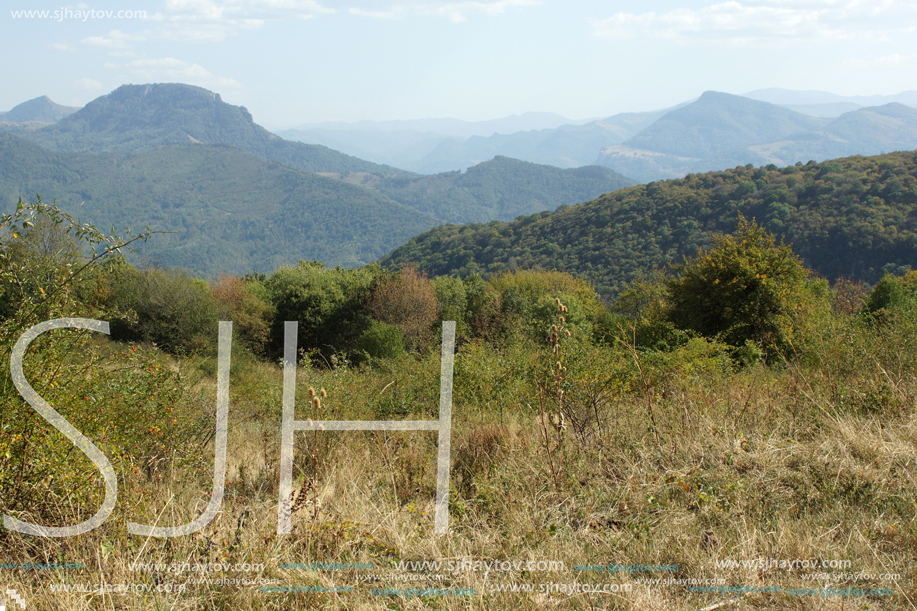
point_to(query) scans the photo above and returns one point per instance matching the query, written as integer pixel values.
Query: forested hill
(232, 211)
(136, 118)
(852, 217)
(501, 188)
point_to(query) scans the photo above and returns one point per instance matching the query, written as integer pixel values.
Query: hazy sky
(297, 61)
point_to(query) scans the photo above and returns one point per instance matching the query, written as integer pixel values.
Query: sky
(301, 61)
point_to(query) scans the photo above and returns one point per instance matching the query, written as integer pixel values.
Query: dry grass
(760, 464)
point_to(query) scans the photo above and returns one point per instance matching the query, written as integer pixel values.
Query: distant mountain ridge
(500, 189)
(719, 123)
(451, 127)
(136, 118)
(721, 130)
(790, 97)
(569, 145)
(40, 109)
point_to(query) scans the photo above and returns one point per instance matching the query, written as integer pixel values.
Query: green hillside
(232, 211)
(852, 217)
(502, 188)
(135, 118)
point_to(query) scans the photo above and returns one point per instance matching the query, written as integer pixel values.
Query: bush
(169, 308)
(381, 341)
(248, 305)
(133, 412)
(329, 303)
(453, 302)
(527, 299)
(746, 288)
(893, 295)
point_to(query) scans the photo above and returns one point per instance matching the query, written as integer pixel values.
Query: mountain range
(720, 130)
(771, 126)
(40, 110)
(419, 147)
(826, 104)
(177, 158)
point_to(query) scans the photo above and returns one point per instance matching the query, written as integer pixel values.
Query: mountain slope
(867, 131)
(718, 123)
(136, 118)
(232, 211)
(854, 217)
(40, 109)
(721, 130)
(568, 145)
(501, 189)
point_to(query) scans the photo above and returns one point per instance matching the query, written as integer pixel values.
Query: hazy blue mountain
(401, 148)
(40, 109)
(867, 131)
(136, 118)
(829, 110)
(718, 123)
(451, 127)
(721, 130)
(460, 146)
(232, 210)
(787, 97)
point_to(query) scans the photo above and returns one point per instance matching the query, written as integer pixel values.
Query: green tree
(330, 305)
(893, 295)
(745, 288)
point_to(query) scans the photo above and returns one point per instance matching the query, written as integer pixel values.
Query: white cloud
(88, 83)
(62, 46)
(763, 22)
(395, 13)
(455, 12)
(169, 69)
(115, 39)
(209, 20)
(895, 60)
(234, 11)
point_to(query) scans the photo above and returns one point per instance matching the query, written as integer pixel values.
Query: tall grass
(677, 460)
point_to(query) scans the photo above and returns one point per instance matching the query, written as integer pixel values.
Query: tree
(746, 288)
(407, 301)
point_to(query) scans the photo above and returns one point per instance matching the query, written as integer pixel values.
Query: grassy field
(697, 472)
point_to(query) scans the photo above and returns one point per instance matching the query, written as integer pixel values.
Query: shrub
(893, 294)
(528, 296)
(453, 302)
(167, 307)
(381, 341)
(248, 305)
(746, 288)
(329, 303)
